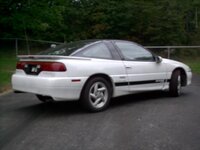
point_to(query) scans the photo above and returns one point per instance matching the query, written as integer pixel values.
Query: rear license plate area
(32, 69)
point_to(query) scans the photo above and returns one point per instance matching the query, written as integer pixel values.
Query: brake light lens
(42, 66)
(20, 65)
(52, 66)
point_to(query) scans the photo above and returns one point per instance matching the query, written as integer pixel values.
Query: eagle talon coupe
(94, 71)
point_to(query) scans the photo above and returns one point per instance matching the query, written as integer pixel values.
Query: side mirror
(158, 59)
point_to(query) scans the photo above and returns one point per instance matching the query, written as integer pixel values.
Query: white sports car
(94, 71)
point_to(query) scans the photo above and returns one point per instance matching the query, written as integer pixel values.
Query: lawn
(7, 67)
(194, 65)
(8, 62)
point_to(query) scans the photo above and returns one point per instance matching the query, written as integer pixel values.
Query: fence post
(16, 46)
(168, 52)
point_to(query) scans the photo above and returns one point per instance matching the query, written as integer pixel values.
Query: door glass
(134, 52)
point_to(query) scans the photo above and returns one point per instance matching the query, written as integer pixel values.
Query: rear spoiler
(50, 57)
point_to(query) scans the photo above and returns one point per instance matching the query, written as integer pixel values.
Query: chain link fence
(18, 46)
(176, 52)
(11, 47)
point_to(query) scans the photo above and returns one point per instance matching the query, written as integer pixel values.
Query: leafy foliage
(147, 22)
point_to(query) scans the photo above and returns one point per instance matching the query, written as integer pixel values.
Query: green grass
(8, 62)
(194, 65)
(7, 67)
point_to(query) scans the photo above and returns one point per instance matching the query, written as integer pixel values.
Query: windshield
(67, 49)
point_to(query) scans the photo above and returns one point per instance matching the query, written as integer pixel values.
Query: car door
(143, 71)
(110, 64)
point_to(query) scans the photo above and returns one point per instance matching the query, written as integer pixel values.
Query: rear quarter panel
(87, 68)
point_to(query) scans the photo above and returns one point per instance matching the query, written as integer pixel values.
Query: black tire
(44, 98)
(175, 84)
(96, 100)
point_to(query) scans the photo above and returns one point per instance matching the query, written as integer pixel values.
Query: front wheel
(96, 94)
(175, 84)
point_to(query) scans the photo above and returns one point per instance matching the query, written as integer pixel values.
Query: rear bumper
(59, 88)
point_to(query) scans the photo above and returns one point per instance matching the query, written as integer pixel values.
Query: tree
(147, 22)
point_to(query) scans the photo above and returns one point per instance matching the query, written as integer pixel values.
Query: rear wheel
(96, 94)
(44, 98)
(175, 84)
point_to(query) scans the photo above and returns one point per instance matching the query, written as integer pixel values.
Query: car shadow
(73, 107)
(53, 108)
(139, 98)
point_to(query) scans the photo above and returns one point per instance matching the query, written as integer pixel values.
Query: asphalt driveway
(145, 121)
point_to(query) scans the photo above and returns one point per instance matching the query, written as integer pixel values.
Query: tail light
(20, 65)
(41, 66)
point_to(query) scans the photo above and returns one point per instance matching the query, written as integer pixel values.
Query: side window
(131, 51)
(99, 50)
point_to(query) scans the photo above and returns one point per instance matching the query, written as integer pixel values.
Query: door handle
(128, 67)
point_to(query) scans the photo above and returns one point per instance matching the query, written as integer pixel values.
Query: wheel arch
(183, 75)
(105, 76)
